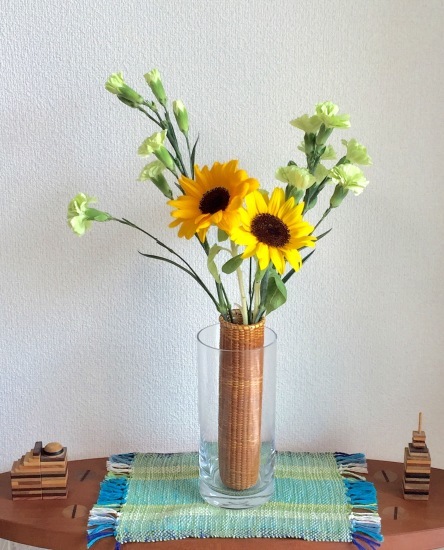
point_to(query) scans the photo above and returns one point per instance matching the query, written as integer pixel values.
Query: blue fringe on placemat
(155, 497)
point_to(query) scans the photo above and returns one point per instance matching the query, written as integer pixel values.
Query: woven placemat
(155, 497)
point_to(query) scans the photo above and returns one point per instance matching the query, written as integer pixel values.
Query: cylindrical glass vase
(237, 394)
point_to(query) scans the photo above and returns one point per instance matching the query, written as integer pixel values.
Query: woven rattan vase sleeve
(240, 402)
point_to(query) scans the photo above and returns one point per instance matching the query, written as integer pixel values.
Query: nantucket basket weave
(240, 402)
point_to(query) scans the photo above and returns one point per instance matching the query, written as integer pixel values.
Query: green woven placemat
(155, 497)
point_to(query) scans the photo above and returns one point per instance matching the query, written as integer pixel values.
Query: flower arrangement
(259, 235)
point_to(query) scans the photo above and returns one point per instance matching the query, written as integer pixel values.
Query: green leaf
(161, 183)
(221, 235)
(260, 274)
(211, 264)
(192, 157)
(305, 258)
(197, 279)
(232, 264)
(319, 237)
(276, 292)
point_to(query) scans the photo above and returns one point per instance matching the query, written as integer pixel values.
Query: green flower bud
(154, 172)
(154, 145)
(338, 196)
(164, 156)
(309, 143)
(181, 115)
(151, 105)
(116, 85)
(155, 83)
(323, 135)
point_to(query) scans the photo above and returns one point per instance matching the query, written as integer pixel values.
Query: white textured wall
(97, 344)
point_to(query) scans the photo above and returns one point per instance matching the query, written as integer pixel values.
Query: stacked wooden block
(417, 467)
(41, 473)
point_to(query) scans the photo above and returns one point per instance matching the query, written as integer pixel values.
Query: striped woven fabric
(155, 497)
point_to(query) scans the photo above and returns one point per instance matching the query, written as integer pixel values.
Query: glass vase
(237, 389)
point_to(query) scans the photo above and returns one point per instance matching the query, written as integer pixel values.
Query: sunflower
(273, 229)
(214, 197)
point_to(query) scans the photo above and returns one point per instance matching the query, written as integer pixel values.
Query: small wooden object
(41, 474)
(417, 466)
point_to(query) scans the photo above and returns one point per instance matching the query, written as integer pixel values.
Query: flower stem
(256, 298)
(223, 308)
(230, 314)
(240, 280)
(150, 117)
(224, 304)
(324, 215)
(160, 243)
(189, 154)
(171, 135)
(250, 290)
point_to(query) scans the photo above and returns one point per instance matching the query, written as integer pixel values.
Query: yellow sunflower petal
(187, 230)
(236, 203)
(250, 250)
(202, 234)
(276, 200)
(245, 218)
(190, 187)
(294, 259)
(203, 176)
(261, 205)
(278, 260)
(229, 220)
(217, 217)
(251, 205)
(253, 184)
(299, 208)
(242, 237)
(231, 166)
(286, 208)
(202, 221)
(263, 255)
(249, 241)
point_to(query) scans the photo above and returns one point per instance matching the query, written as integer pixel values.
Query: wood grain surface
(61, 524)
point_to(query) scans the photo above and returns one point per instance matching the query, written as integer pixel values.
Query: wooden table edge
(56, 532)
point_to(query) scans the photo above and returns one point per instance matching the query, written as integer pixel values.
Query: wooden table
(61, 524)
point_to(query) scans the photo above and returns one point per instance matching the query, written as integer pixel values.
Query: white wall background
(97, 343)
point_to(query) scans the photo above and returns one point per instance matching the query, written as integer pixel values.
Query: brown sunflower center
(270, 230)
(214, 200)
